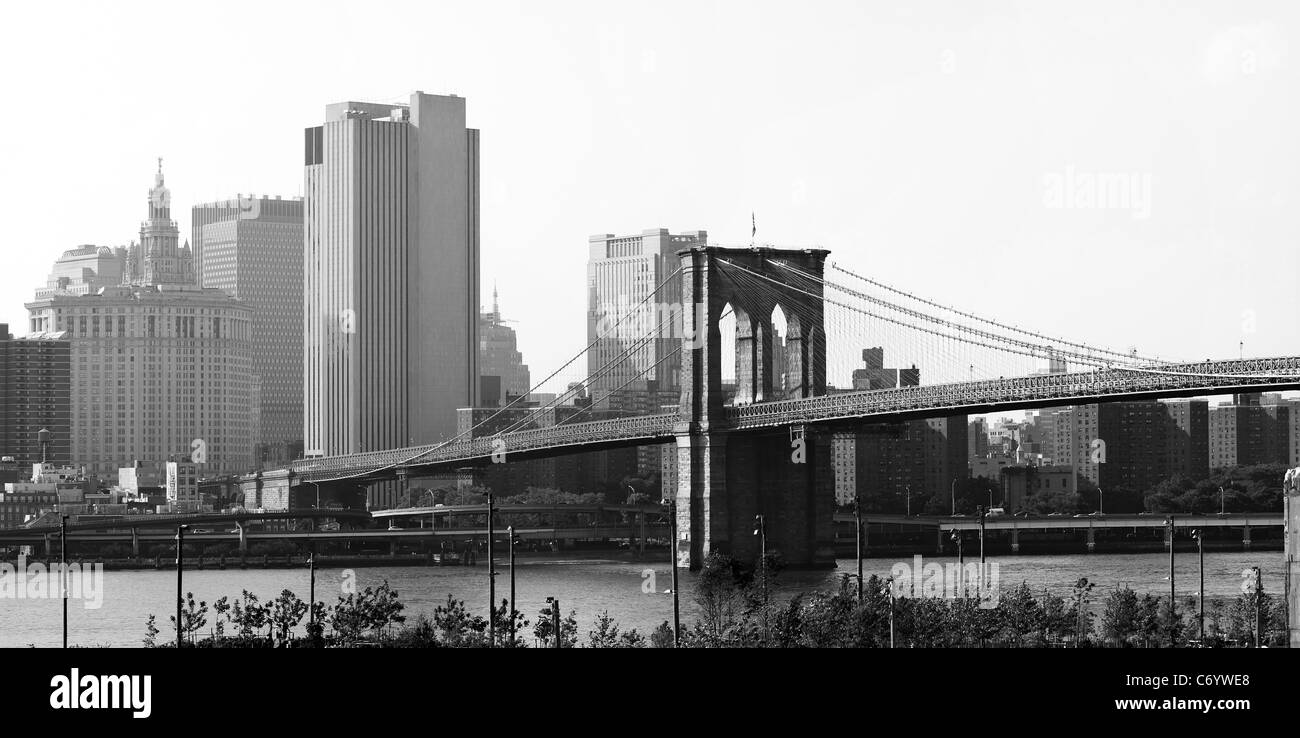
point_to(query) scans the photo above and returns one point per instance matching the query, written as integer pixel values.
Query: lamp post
(180, 566)
(1221, 509)
(492, 576)
(1200, 595)
(857, 518)
(760, 530)
(555, 617)
(510, 531)
(1173, 629)
(954, 495)
(1101, 502)
(1259, 587)
(677, 617)
(311, 592)
(909, 500)
(961, 561)
(889, 589)
(63, 573)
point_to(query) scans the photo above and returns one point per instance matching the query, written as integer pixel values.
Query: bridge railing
(958, 396)
(647, 427)
(1207, 376)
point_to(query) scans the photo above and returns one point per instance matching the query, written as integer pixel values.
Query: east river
(623, 588)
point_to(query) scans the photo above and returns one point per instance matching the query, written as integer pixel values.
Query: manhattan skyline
(878, 141)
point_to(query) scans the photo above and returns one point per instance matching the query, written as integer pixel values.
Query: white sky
(915, 143)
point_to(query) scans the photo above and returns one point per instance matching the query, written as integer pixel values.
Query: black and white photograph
(961, 338)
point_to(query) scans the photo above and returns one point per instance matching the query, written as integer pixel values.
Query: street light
(510, 531)
(677, 617)
(1200, 595)
(760, 530)
(492, 577)
(961, 559)
(180, 565)
(889, 590)
(909, 500)
(1101, 502)
(857, 518)
(63, 573)
(1169, 522)
(1221, 510)
(1259, 586)
(555, 617)
(311, 593)
(954, 496)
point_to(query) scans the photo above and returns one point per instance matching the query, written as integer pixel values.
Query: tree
(607, 635)
(456, 627)
(1080, 613)
(544, 631)
(1120, 617)
(1018, 614)
(370, 612)
(193, 617)
(720, 595)
(151, 632)
(662, 636)
(248, 616)
(220, 610)
(286, 612)
(501, 617)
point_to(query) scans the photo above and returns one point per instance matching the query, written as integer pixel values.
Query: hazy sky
(950, 148)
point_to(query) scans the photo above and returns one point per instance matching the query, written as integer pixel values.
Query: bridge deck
(1109, 385)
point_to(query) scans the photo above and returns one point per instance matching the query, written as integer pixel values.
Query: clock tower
(159, 259)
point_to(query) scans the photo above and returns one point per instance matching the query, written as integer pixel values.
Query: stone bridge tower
(726, 478)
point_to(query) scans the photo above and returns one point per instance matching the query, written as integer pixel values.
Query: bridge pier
(1245, 537)
(726, 477)
(1092, 540)
(725, 481)
(1015, 541)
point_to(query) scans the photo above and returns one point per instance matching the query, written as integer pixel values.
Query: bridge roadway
(159, 521)
(18, 536)
(1053, 522)
(889, 405)
(445, 510)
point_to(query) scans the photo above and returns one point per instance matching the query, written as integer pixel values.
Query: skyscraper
(391, 299)
(160, 367)
(622, 272)
(35, 387)
(251, 248)
(502, 370)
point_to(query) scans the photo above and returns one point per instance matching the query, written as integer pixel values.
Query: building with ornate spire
(161, 368)
(159, 258)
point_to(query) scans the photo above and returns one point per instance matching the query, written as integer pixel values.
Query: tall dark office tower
(251, 247)
(35, 392)
(391, 298)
